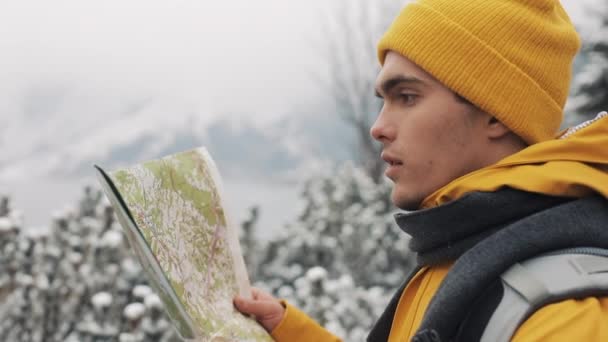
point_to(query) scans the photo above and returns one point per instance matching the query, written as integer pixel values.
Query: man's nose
(382, 130)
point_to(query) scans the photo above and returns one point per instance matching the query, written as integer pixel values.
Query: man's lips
(391, 160)
(394, 165)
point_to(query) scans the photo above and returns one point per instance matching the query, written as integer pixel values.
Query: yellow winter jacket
(576, 166)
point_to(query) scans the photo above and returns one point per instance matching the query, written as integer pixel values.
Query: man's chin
(405, 202)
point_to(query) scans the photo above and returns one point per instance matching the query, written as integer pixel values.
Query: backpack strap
(566, 274)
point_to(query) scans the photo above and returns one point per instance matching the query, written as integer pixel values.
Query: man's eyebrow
(392, 82)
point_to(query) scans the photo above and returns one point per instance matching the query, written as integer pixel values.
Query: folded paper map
(173, 214)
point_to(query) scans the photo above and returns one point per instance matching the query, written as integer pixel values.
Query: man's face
(429, 136)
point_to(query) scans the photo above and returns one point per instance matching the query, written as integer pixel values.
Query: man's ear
(495, 129)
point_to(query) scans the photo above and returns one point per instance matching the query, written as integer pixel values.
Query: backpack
(572, 273)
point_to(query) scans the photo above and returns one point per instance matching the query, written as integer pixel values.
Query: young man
(474, 92)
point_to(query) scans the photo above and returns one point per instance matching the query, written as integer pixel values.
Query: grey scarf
(486, 233)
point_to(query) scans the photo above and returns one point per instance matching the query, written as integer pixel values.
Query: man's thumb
(253, 307)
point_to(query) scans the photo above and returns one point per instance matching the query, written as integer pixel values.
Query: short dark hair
(462, 99)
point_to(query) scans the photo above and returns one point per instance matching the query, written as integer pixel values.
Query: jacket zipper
(580, 126)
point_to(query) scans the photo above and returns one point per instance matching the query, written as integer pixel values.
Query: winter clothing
(297, 326)
(549, 196)
(489, 233)
(511, 58)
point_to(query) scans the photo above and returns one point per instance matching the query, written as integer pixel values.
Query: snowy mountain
(49, 134)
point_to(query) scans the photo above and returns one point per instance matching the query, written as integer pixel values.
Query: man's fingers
(266, 309)
(254, 307)
(259, 294)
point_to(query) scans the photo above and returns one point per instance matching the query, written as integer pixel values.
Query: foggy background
(118, 82)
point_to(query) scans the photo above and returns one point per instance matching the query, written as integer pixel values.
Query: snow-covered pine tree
(590, 86)
(249, 243)
(341, 260)
(74, 282)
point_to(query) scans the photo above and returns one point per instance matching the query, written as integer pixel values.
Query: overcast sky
(225, 56)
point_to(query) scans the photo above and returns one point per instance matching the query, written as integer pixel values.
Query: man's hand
(266, 309)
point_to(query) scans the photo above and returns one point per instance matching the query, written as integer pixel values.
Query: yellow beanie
(513, 59)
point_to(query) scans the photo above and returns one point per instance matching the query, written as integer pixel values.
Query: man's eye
(408, 98)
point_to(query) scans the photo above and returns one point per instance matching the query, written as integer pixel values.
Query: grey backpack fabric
(529, 285)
